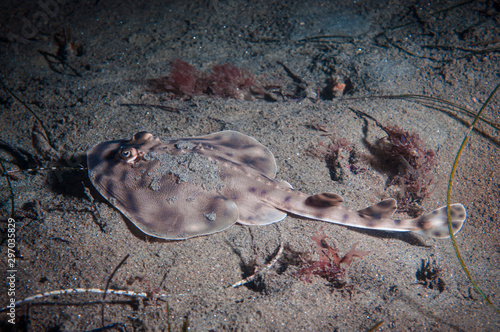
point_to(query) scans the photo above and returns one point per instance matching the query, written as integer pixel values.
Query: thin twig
(51, 168)
(109, 281)
(261, 270)
(162, 107)
(4, 173)
(71, 291)
(96, 213)
(29, 109)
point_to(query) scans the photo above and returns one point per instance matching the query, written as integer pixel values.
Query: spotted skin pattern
(179, 188)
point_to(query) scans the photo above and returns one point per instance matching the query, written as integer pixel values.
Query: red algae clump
(328, 266)
(413, 167)
(224, 81)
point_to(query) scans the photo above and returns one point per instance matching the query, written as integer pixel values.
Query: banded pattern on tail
(435, 223)
(327, 207)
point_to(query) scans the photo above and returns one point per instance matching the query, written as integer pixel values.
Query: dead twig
(96, 213)
(29, 109)
(12, 206)
(261, 270)
(71, 291)
(165, 108)
(109, 281)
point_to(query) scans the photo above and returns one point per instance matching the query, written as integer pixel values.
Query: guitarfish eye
(128, 154)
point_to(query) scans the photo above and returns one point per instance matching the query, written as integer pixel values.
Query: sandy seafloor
(433, 48)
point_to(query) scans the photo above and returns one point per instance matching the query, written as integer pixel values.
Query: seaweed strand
(418, 97)
(29, 109)
(448, 198)
(4, 173)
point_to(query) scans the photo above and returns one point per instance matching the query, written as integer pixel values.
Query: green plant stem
(448, 199)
